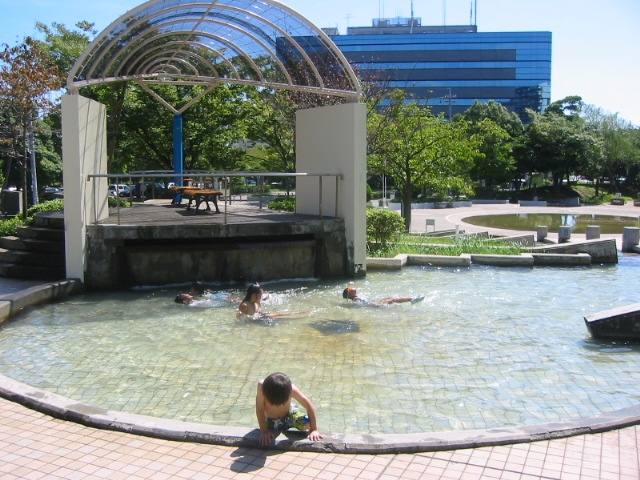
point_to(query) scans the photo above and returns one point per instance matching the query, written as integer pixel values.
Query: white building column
(84, 152)
(333, 140)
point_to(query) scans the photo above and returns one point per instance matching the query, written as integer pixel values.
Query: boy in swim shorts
(276, 411)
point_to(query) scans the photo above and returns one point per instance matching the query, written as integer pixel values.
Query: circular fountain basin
(486, 348)
(609, 224)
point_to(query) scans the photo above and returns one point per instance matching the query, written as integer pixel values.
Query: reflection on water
(609, 224)
(487, 347)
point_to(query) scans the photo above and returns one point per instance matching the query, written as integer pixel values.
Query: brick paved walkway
(35, 446)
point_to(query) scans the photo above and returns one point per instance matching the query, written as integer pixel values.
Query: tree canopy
(419, 150)
(420, 153)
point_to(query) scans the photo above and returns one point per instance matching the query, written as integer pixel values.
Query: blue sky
(596, 43)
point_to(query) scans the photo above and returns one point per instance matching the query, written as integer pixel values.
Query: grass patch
(447, 246)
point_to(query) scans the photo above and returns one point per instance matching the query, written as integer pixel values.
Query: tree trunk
(32, 161)
(25, 185)
(407, 195)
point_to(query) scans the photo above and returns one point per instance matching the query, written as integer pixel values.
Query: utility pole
(449, 97)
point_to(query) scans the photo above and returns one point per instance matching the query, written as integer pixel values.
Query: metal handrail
(193, 174)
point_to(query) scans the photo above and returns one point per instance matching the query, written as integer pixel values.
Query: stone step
(41, 233)
(31, 245)
(37, 252)
(12, 243)
(32, 258)
(31, 272)
(53, 219)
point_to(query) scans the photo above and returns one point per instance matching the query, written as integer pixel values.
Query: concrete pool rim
(68, 409)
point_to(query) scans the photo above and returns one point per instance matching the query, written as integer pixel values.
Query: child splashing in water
(350, 293)
(250, 306)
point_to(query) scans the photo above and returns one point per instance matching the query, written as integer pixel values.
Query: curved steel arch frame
(208, 42)
(262, 42)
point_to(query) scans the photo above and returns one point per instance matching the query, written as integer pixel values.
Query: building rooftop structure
(449, 67)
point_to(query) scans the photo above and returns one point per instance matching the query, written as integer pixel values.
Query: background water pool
(609, 224)
(487, 347)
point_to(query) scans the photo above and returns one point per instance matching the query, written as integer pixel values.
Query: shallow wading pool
(609, 224)
(487, 347)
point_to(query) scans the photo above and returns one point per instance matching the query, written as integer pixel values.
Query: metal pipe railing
(226, 180)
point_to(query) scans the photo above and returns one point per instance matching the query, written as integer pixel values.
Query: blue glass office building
(449, 67)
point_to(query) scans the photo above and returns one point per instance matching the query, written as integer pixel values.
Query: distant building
(449, 67)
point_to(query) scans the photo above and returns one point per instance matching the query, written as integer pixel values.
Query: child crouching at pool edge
(276, 411)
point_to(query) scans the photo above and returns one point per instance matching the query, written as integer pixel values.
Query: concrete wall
(600, 250)
(121, 256)
(333, 140)
(84, 148)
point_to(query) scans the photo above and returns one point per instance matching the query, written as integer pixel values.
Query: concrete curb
(12, 304)
(66, 409)
(466, 260)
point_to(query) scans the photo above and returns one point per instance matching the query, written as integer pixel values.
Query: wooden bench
(177, 197)
(198, 196)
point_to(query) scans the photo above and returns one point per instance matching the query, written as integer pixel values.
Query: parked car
(49, 193)
(122, 190)
(147, 189)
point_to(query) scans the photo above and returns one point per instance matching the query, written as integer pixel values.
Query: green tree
(557, 141)
(212, 128)
(65, 45)
(418, 150)
(499, 132)
(27, 77)
(618, 139)
(273, 127)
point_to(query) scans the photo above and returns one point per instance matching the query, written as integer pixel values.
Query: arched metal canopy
(206, 42)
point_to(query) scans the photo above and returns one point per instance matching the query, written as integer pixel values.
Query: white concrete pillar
(593, 232)
(334, 140)
(564, 233)
(630, 238)
(542, 231)
(84, 152)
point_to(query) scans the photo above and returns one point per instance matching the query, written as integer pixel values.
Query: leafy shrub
(118, 202)
(9, 227)
(383, 226)
(288, 204)
(48, 206)
(250, 189)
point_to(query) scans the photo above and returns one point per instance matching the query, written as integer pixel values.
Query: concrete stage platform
(156, 242)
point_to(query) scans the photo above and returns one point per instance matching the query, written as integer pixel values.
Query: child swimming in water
(350, 293)
(276, 411)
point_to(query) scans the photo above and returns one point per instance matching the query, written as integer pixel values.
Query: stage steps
(38, 250)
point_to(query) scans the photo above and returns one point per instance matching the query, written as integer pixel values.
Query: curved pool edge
(11, 304)
(68, 409)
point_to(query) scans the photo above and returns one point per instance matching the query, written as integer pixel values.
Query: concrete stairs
(37, 252)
